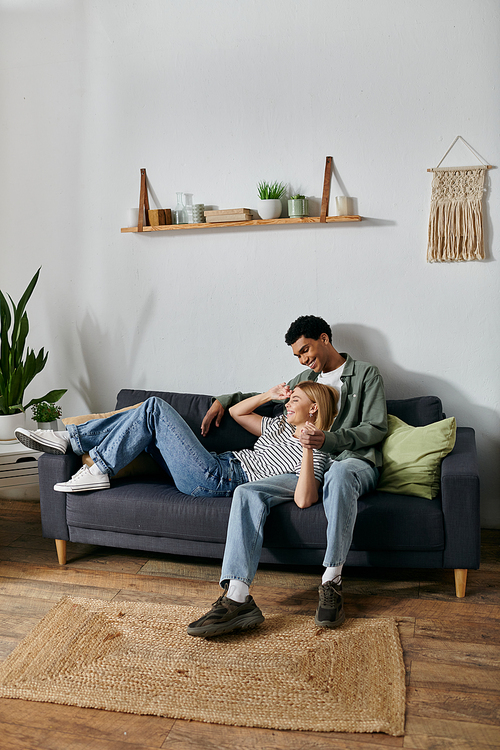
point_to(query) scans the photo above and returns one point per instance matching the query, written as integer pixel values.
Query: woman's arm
(306, 491)
(243, 412)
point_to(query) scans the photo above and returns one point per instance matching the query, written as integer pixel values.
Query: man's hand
(311, 437)
(216, 412)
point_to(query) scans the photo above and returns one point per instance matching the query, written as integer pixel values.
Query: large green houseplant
(19, 364)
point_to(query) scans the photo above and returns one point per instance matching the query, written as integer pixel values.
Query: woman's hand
(279, 392)
(307, 431)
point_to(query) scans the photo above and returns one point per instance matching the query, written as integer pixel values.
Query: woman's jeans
(157, 428)
(344, 482)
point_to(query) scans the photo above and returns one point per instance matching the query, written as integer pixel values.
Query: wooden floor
(451, 646)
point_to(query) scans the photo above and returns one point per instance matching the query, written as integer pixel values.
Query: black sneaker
(330, 612)
(225, 616)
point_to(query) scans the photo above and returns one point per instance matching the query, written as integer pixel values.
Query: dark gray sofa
(148, 513)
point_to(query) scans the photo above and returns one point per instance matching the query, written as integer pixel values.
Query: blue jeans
(344, 482)
(157, 428)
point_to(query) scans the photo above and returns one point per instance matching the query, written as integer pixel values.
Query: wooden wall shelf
(253, 223)
(322, 219)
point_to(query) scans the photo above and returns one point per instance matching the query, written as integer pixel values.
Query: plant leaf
(51, 397)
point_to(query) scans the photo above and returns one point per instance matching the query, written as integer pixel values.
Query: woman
(156, 427)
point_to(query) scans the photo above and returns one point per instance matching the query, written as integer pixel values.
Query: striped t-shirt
(276, 452)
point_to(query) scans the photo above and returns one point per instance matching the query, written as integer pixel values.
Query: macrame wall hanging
(456, 216)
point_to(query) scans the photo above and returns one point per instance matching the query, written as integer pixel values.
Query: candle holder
(344, 205)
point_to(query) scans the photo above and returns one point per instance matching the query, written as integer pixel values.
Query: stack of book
(228, 214)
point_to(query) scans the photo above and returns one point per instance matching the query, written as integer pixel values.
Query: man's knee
(354, 475)
(340, 472)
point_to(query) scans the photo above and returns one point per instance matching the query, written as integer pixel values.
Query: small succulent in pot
(45, 412)
(298, 205)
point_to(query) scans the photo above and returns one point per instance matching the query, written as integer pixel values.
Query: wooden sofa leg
(61, 545)
(460, 581)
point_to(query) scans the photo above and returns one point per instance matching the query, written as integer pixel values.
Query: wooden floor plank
(421, 730)
(189, 735)
(445, 652)
(16, 592)
(15, 737)
(484, 627)
(434, 674)
(91, 723)
(453, 704)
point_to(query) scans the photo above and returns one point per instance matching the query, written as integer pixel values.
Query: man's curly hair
(308, 326)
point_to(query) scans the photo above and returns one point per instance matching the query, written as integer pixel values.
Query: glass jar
(179, 212)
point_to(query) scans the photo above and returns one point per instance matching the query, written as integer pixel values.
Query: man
(353, 444)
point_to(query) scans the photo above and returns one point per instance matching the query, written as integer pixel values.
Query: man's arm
(219, 406)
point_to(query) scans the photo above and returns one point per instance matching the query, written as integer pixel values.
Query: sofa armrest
(53, 469)
(460, 503)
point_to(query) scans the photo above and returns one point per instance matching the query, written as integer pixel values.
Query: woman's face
(299, 407)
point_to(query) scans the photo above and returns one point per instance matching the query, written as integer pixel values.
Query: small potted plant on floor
(298, 205)
(46, 415)
(18, 364)
(270, 194)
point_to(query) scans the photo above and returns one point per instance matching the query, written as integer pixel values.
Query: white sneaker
(47, 441)
(84, 481)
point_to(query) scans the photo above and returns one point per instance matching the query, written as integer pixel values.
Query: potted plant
(18, 364)
(270, 194)
(46, 415)
(298, 205)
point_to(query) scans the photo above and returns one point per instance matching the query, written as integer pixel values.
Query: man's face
(311, 352)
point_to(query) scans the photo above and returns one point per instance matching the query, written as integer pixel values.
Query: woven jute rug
(136, 657)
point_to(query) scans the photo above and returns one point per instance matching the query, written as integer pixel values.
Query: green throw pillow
(412, 456)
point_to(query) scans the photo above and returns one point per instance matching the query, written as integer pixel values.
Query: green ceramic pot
(298, 207)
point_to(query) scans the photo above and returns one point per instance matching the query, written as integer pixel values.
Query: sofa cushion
(157, 509)
(82, 418)
(149, 507)
(397, 522)
(412, 456)
(417, 411)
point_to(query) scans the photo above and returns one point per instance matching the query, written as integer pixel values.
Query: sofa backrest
(229, 436)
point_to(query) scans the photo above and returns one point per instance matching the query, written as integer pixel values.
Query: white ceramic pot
(270, 208)
(47, 425)
(9, 423)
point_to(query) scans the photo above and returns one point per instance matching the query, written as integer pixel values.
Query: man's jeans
(344, 482)
(157, 428)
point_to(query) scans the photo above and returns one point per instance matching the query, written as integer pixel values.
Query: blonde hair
(326, 398)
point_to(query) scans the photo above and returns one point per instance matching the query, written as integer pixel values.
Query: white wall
(212, 97)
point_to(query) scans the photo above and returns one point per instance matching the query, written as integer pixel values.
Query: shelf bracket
(326, 190)
(143, 218)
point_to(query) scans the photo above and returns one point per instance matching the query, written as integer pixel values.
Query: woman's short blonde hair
(326, 398)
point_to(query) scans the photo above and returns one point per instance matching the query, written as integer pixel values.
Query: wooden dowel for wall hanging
(485, 166)
(326, 190)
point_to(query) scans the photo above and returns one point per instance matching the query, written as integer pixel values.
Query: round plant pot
(47, 425)
(298, 207)
(9, 423)
(270, 208)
